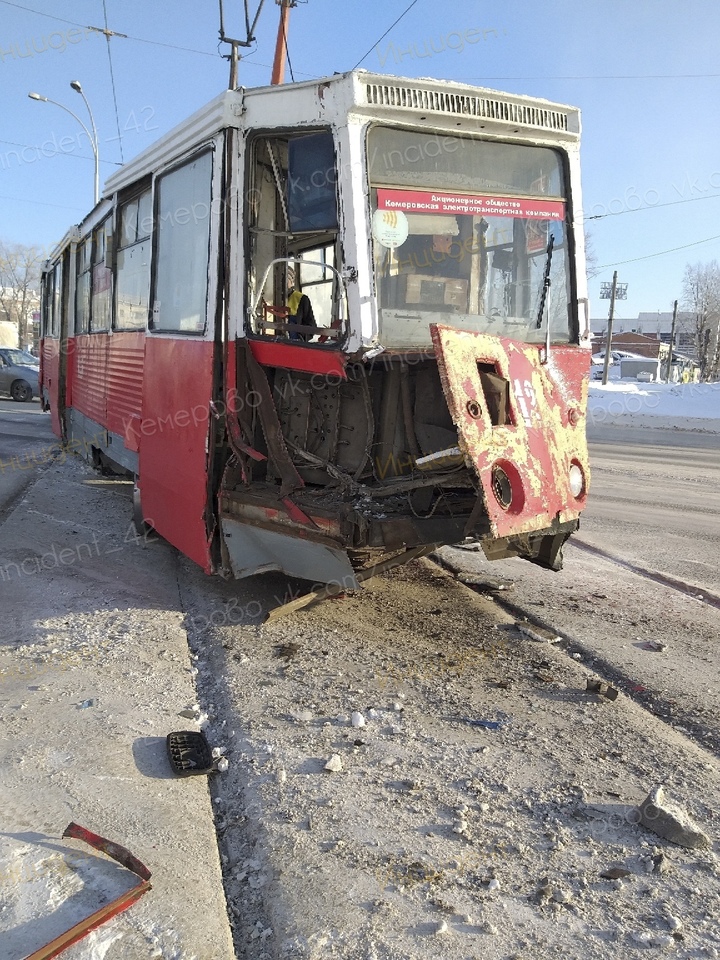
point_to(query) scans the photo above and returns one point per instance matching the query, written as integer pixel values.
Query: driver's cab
(296, 293)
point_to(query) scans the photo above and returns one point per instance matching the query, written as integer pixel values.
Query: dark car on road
(19, 374)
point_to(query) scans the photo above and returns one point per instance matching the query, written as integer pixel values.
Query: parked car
(616, 356)
(19, 372)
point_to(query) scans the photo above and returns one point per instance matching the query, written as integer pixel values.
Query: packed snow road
(408, 775)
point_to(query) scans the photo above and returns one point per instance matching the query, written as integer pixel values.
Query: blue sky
(645, 75)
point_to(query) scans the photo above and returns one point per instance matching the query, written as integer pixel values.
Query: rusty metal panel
(523, 465)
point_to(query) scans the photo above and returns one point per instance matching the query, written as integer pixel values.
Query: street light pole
(92, 137)
(75, 84)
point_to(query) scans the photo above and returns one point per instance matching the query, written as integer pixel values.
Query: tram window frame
(57, 303)
(83, 285)
(135, 229)
(282, 188)
(162, 257)
(102, 278)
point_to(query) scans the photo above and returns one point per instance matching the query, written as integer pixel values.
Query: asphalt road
(26, 443)
(655, 500)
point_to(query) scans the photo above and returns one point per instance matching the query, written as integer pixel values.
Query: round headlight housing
(577, 480)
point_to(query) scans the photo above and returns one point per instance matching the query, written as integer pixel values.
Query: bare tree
(20, 267)
(591, 258)
(701, 296)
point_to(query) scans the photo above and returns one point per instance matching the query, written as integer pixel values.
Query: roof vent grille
(465, 105)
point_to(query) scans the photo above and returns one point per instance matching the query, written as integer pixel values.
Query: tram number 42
(526, 401)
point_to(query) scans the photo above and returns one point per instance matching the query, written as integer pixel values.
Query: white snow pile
(674, 406)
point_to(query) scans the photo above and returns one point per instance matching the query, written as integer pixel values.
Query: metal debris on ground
(100, 916)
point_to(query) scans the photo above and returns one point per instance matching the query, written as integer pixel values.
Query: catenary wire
(385, 34)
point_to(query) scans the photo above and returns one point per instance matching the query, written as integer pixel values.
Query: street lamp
(92, 137)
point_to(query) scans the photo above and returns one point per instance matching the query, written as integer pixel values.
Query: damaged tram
(330, 326)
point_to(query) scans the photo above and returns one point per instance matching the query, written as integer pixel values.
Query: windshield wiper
(546, 282)
(543, 298)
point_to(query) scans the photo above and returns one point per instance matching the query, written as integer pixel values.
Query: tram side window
(132, 276)
(182, 247)
(56, 300)
(82, 292)
(293, 227)
(101, 281)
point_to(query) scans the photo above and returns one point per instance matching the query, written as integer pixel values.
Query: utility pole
(672, 342)
(278, 70)
(612, 292)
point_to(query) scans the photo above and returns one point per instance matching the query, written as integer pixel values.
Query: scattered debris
(485, 724)
(357, 719)
(109, 910)
(485, 583)
(615, 873)
(334, 764)
(671, 822)
(287, 650)
(86, 703)
(539, 634)
(189, 753)
(601, 688)
(654, 645)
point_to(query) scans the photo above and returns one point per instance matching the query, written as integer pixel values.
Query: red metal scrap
(109, 847)
(536, 448)
(116, 906)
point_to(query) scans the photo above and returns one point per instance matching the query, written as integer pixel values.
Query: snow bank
(675, 406)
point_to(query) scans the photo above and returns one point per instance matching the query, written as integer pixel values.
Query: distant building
(651, 327)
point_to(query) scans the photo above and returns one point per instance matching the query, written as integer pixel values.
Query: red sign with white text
(425, 201)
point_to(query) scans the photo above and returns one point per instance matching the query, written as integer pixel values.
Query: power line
(112, 81)
(59, 153)
(385, 34)
(41, 203)
(631, 76)
(655, 206)
(660, 254)
(74, 23)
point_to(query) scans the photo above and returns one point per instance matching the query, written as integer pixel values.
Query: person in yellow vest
(300, 309)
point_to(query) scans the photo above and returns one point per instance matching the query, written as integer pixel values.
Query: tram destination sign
(441, 202)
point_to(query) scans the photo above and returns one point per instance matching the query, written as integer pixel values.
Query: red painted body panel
(126, 358)
(87, 376)
(292, 357)
(536, 449)
(49, 379)
(173, 442)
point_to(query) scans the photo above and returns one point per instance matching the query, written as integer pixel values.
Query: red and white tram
(331, 325)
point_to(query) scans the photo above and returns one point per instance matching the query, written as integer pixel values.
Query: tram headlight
(577, 480)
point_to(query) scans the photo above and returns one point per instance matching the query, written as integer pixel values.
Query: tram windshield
(468, 233)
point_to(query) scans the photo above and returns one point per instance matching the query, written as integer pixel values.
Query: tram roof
(422, 101)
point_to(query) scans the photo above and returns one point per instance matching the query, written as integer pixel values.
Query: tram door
(55, 340)
(178, 368)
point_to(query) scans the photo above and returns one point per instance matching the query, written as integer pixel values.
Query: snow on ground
(675, 406)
